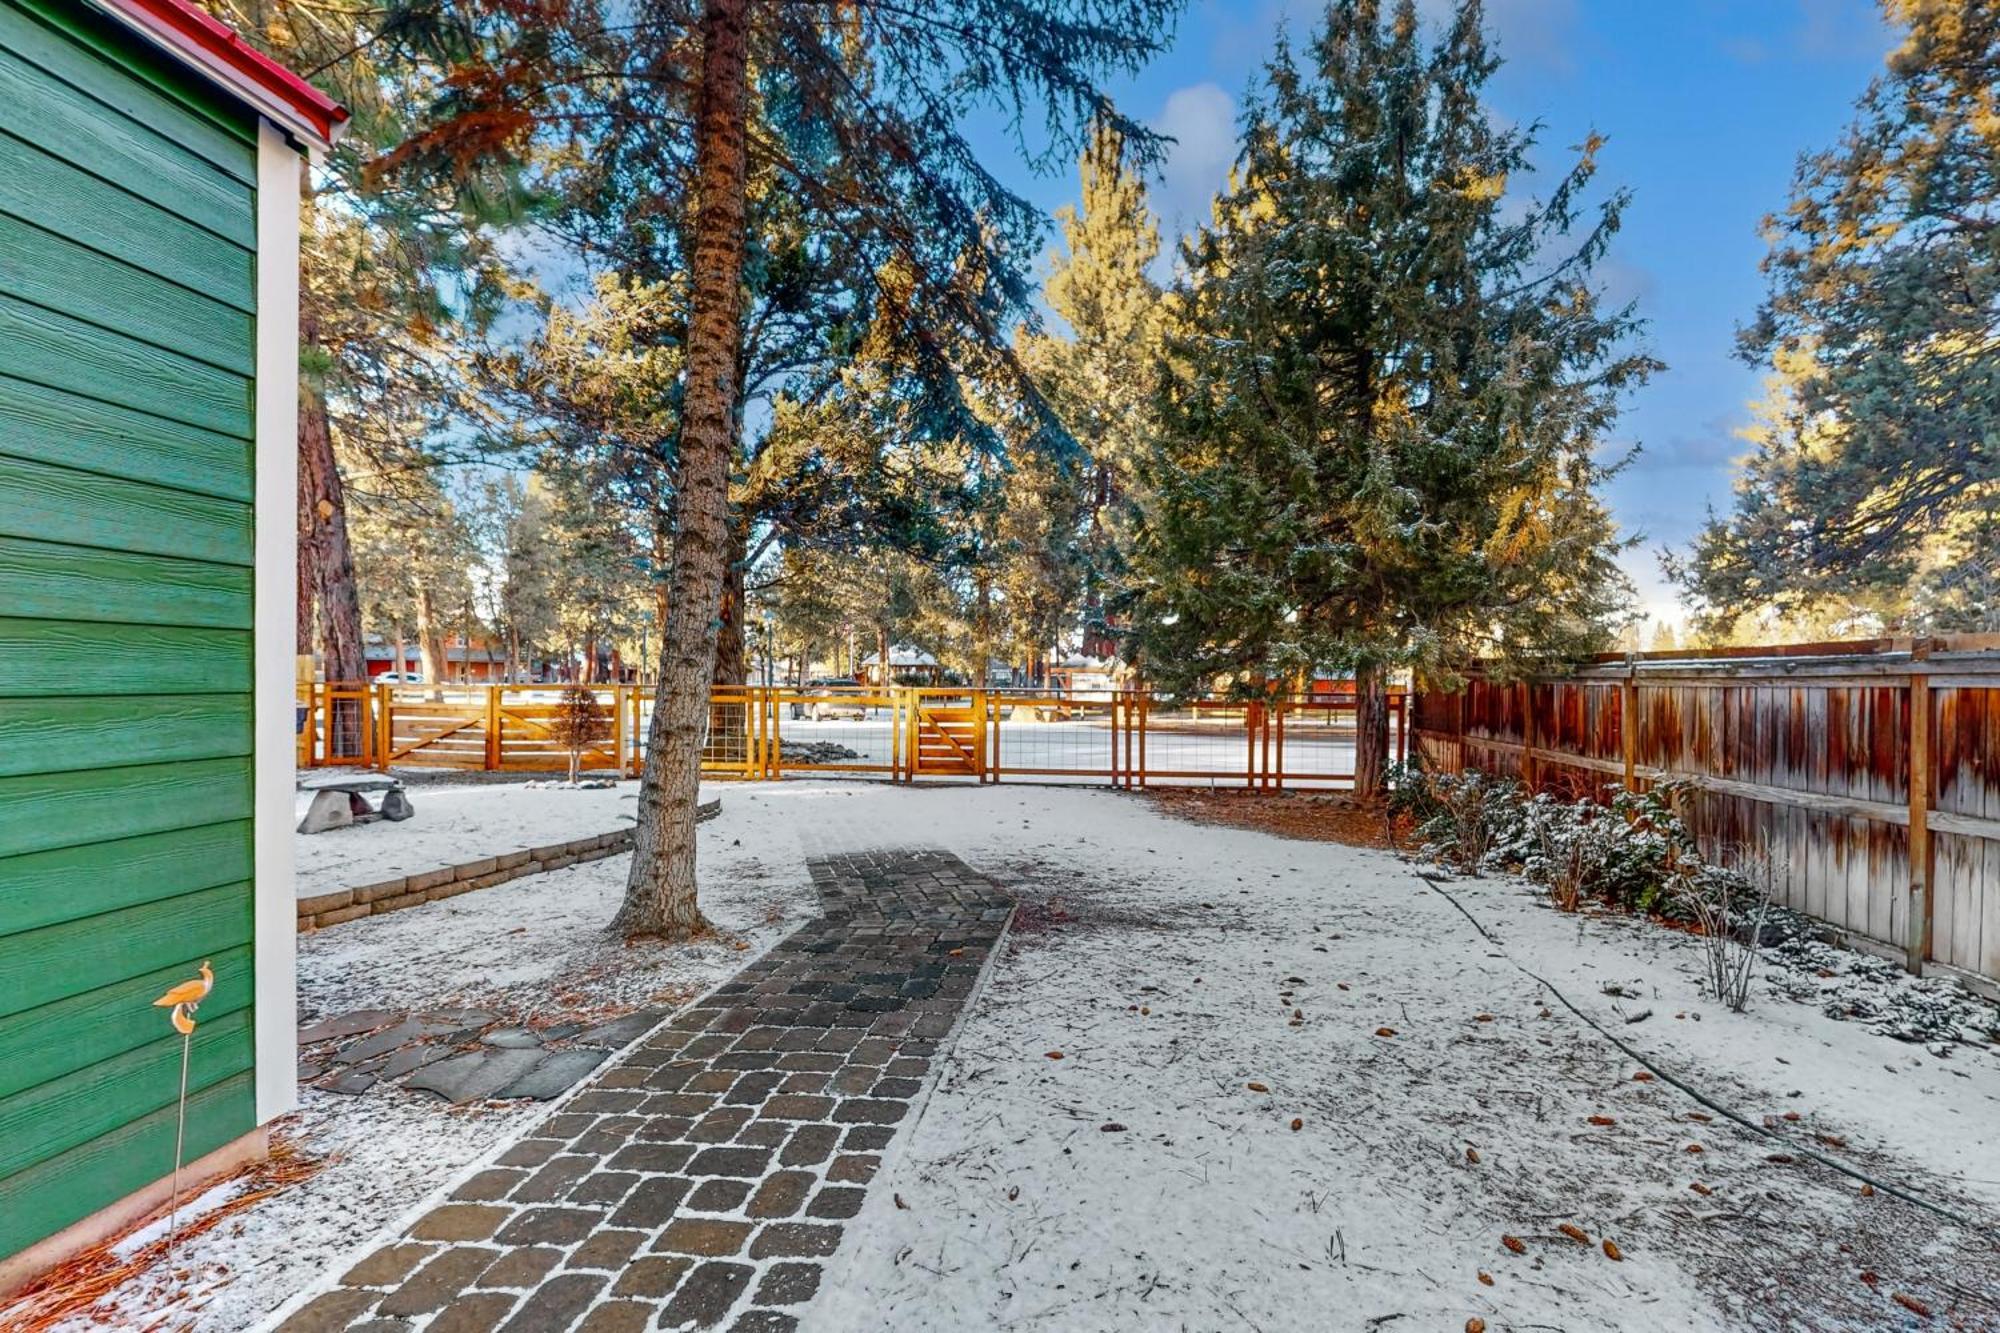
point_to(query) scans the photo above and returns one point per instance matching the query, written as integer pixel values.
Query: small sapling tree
(578, 724)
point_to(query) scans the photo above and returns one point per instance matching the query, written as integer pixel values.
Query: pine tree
(1383, 391)
(1876, 476)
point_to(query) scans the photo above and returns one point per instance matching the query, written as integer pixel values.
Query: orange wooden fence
(1124, 738)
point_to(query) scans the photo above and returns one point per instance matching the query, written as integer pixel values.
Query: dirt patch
(1305, 816)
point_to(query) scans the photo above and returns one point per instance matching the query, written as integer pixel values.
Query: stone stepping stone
(558, 1072)
(622, 1031)
(381, 1043)
(512, 1039)
(352, 1082)
(414, 1057)
(475, 1075)
(347, 1025)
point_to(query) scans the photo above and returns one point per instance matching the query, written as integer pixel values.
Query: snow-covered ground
(454, 825)
(1298, 1089)
(1179, 969)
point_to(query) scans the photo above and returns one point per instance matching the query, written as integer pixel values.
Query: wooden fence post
(1923, 890)
(493, 727)
(1528, 735)
(1628, 722)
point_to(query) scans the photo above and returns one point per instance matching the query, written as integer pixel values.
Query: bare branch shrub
(1728, 907)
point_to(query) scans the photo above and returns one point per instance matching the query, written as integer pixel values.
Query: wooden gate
(947, 735)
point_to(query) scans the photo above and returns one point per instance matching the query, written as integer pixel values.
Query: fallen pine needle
(90, 1276)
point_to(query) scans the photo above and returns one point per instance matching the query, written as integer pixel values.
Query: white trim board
(276, 612)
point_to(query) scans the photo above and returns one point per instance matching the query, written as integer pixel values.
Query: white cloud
(1201, 119)
(1527, 32)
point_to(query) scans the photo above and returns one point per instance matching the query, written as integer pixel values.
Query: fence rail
(1863, 779)
(1123, 738)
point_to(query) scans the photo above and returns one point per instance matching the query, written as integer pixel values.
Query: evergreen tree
(1876, 476)
(1099, 379)
(855, 117)
(1383, 392)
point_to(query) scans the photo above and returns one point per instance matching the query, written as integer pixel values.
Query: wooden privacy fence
(1124, 738)
(1862, 778)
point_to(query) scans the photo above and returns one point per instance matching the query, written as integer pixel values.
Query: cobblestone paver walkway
(703, 1180)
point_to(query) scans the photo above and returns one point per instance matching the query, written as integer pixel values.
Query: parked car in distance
(400, 678)
(819, 710)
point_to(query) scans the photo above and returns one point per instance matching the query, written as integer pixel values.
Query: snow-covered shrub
(1624, 852)
(1471, 813)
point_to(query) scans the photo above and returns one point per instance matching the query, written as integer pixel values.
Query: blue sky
(1706, 105)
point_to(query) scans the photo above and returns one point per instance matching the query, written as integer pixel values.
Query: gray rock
(380, 1044)
(511, 1039)
(347, 1025)
(352, 1082)
(412, 1058)
(473, 1076)
(620, 1031)
(557, 1073)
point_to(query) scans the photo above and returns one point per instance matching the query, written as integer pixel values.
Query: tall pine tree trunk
(1371, 732)
(731, 648)
(430, 642)
(323, 529)
(660, 895)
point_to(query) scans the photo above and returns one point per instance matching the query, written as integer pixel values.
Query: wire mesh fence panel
(1054, 736)
(1197, 741)
(833, 731)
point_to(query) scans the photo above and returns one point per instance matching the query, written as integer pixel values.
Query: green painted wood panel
(59, 275)
(79, 129)
(59, 504)
(55, 582)
(71, 883)
(47, 810)
(65, 353)
(50, 1195)
(53, 1117)
(53, 426)
(51, 193)
(85, 53)
(110, 1021)
(64, 735)
(104, 950)
(127, 407)
(69, 658)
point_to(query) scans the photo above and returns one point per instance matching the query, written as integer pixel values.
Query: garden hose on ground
(1835, 1164)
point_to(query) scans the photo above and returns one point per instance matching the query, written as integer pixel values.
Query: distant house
(907, 666)
(149, 211)
(489, 664)
(1087, 677)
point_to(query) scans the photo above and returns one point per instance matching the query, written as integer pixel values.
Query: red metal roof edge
(201, 40)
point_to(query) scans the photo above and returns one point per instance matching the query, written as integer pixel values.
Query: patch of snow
(453, 825)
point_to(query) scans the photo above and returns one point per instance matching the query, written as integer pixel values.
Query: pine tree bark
(731, 648)
(430, 642)
(326, 553)
(660, 895)
(1371, 732)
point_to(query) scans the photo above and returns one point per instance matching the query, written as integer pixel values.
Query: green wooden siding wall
(127, 345)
